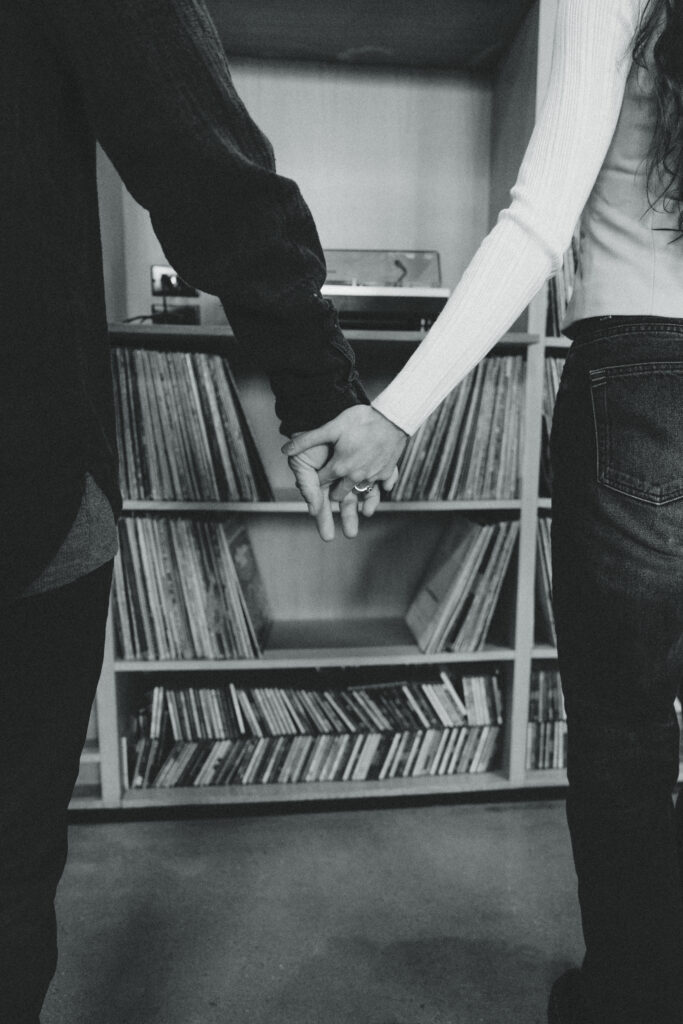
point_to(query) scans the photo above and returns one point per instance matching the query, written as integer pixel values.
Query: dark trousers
(617, 450)
(50, 659)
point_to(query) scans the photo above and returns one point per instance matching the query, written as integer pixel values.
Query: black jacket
(149, 80)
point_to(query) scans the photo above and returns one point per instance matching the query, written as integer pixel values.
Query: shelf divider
(518, 707)
(108, 721)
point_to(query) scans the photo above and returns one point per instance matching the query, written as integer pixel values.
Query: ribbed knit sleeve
(590, 64)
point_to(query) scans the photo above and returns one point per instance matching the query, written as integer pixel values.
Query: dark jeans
(617, 451)
(50, 658)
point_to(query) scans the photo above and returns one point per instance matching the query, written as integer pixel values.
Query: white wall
(384, 160)
(112, 229)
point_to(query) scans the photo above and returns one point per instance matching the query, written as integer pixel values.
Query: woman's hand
(306, 467)
(367, 447)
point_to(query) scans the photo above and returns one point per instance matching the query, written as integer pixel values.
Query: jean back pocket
(638, 413)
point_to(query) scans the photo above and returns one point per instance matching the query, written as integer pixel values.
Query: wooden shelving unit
(315, 628)
(345, 642)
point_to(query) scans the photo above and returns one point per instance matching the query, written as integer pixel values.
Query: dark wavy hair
(663, 21)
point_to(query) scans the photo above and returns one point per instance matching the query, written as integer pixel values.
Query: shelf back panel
(374, 575)
(441, 34)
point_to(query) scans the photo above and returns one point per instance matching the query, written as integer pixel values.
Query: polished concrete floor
(429, 915)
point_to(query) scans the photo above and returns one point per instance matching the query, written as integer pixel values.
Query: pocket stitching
(616, 484)
(667, 368)
(599, 389)
(606, 475)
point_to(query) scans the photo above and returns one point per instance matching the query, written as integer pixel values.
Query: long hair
(663, 21)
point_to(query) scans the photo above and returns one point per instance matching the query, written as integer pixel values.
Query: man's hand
(306, 467)
(367, 447)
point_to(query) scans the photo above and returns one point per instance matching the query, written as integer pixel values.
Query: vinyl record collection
(454, 607)
(547, 728)
(182, 435)
(553, 372)
(239, 735)
(545, 618)
(560, 290)
(187, 588)
(470, 448)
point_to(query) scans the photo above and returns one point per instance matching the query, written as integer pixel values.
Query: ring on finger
(363, 488)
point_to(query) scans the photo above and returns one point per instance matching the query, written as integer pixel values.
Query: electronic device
(385, 289)
(166, 282)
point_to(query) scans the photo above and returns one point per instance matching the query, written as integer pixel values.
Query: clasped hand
(357, 446)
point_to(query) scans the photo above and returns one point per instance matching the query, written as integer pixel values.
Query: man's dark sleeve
(158, 93)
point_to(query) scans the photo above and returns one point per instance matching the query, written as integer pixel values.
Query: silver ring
(363, 489)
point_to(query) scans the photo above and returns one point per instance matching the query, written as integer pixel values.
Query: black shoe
(566, 1004)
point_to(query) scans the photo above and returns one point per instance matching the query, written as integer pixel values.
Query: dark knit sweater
(149, 79)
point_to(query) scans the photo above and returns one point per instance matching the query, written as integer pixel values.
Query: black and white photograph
(341, 512)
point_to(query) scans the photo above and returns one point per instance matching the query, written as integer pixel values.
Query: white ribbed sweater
(590, 67)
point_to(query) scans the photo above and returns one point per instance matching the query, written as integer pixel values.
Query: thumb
(327, 434)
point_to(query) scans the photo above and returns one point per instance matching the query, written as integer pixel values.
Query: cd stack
(239, 735)
(547, 728)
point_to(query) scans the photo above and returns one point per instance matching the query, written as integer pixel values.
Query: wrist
(388, 419)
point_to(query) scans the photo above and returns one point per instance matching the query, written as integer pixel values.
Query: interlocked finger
(342, 487)
(371, 503)
(348, 508)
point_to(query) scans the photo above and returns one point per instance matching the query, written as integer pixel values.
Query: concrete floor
(428, 915)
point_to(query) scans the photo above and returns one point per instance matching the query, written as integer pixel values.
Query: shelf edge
(299, 508)
(315, 659)
(308, 791)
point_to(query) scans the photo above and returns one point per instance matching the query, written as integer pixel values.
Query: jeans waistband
(594, 328)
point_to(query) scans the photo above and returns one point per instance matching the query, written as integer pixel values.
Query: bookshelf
(327, 633)
(355, 626)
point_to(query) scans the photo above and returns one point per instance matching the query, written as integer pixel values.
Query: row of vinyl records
(552, 374)
(470, 447)
(183, 435)
(545, 616)
(189, 588)
(240, 735)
